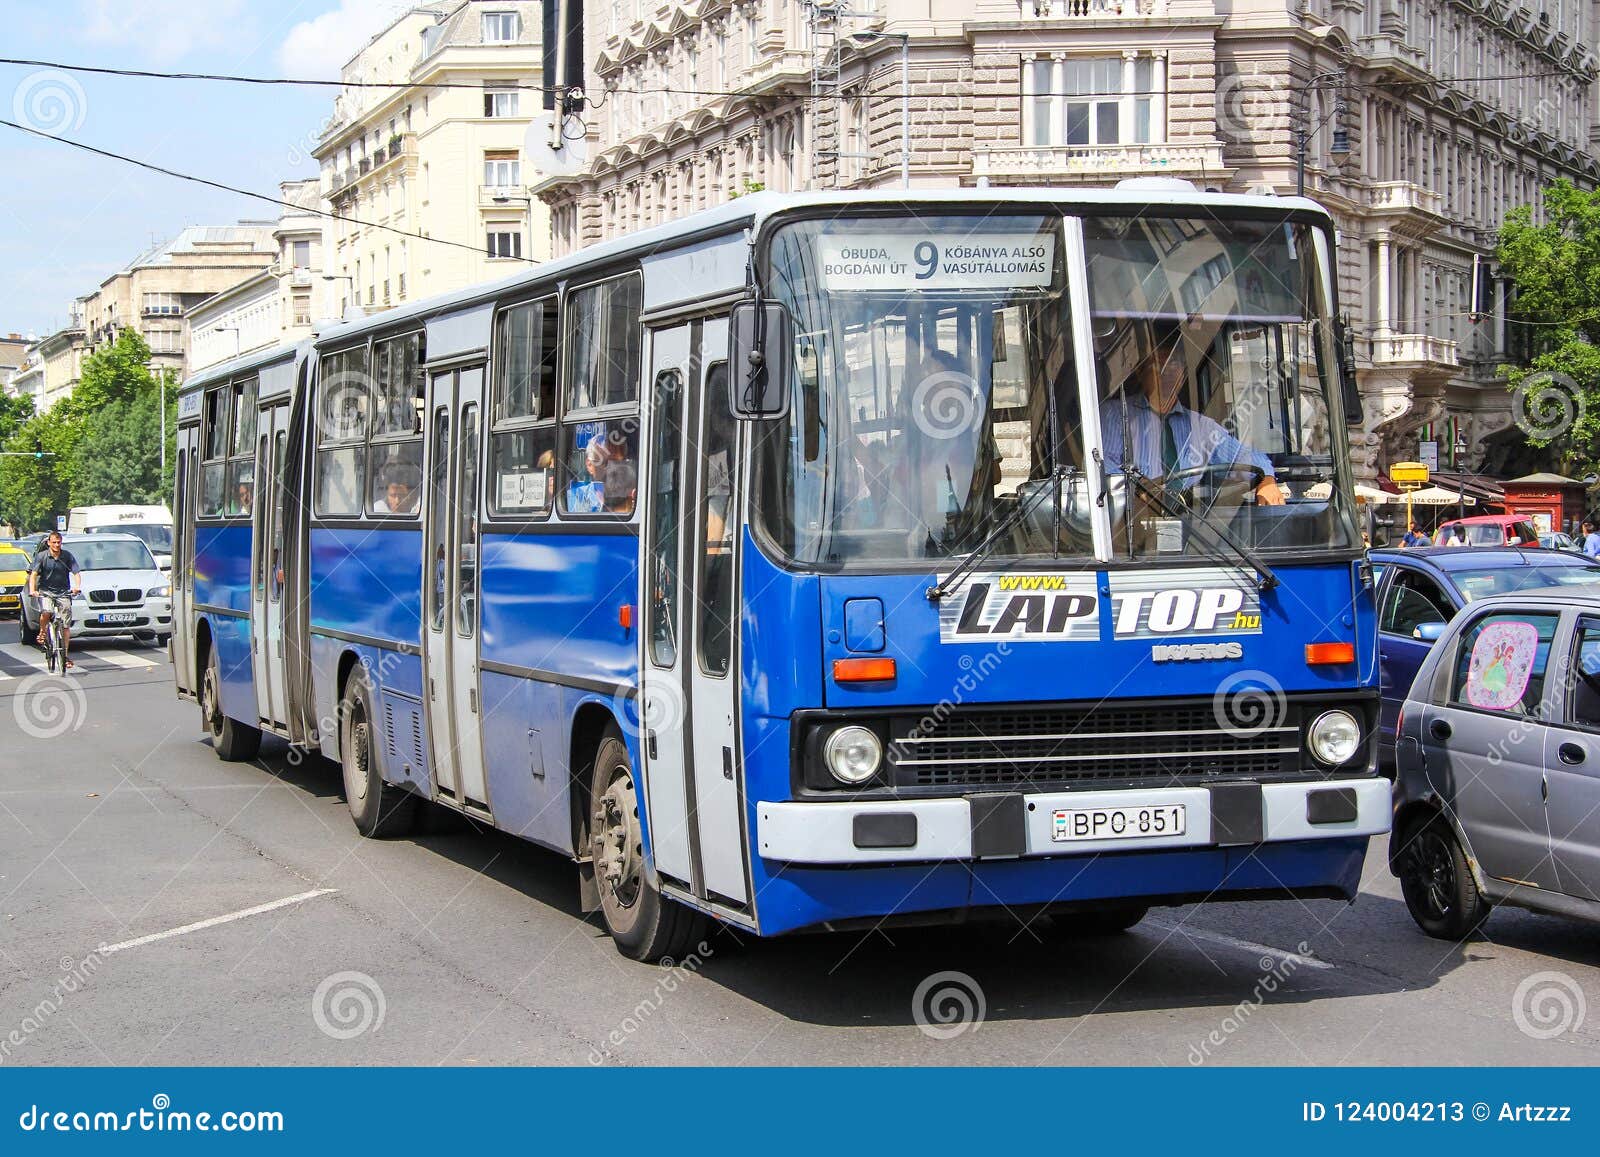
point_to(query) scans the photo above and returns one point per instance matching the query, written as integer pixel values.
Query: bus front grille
(1067, 745)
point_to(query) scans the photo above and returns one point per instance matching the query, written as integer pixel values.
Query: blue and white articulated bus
(823, 560)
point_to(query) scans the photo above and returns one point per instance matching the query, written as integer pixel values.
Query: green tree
(1554, 266)
(31, 490)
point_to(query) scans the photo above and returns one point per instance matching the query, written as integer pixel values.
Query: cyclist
(53, 580)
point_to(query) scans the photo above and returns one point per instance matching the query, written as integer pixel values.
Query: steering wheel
(1167, 482)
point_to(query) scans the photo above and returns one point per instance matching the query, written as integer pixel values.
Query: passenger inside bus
(243, 499)
(400, 491)
(586, 494)
(1148, 420)
(620, 489)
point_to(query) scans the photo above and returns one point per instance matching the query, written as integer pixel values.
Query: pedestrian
(1591, 539)
(1416, 537)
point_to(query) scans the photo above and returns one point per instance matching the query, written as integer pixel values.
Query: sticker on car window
(1502, 661)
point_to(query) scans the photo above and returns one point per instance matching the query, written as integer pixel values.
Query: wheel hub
(617, 842)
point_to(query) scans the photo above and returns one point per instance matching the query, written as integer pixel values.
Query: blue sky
(67, 219)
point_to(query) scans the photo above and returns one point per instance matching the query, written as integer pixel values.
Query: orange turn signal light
(625, 616)
(1322, 654)
(862, 670)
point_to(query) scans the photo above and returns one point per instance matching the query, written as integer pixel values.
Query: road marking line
(107, 949)
(1279, 954)
(118, 659)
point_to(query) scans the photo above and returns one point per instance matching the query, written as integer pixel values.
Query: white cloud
(319, 47)
(164, 30)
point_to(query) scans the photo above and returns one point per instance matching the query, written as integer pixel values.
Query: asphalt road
(160, 907)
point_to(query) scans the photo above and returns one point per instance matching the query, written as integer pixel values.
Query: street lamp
(1460, 448)
(866, 37)
(1303, 134)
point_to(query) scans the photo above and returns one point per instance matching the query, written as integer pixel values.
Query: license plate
(119, 617)
(1118, 823)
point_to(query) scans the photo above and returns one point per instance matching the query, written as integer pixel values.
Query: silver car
(123, 591)
(1497, 754)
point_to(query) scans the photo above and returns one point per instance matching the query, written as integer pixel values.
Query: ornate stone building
(1417, 122)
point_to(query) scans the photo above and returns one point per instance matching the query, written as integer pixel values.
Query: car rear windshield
(1480, 584)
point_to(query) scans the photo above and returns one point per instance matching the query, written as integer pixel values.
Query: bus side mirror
(1377, 528)
(1346, 343)
(760, 338)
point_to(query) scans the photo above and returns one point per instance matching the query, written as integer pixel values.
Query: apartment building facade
(154, 293)
(1417, 122)
(441, 159)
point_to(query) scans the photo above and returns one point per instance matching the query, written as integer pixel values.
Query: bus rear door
(450, 640)
(266, 588)
(185, 495)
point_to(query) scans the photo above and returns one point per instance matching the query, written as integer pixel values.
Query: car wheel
(379, 809)
(644, 924)
(1437, 881)
(231, 740)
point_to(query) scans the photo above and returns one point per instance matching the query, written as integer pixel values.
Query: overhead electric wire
(231, 78)
(166, 172)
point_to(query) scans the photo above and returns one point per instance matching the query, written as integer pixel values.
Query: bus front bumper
(1009, 825)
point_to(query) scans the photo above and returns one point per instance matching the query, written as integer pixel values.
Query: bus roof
(752, 210)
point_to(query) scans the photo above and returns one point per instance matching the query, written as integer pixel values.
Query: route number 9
(926, 255)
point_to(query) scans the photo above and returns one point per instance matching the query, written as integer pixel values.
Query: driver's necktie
(1169, 450)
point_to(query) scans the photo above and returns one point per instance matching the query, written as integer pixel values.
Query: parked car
(123, 591)
(1419, 591)
(13, 576)
(1497, 786)
(1555, 540)
(1489, 530)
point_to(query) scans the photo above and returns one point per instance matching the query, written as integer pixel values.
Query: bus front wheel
(644, 924)
(378, 808)
(231, 740)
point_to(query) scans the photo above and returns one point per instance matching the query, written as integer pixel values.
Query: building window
(504, 242)
(499, 27)
(502, 169)
(300, 307)
(500, 102)
(300, 254)
(1094, 101)
(162, 305)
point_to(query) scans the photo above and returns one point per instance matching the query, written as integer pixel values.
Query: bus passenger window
(342, 407)
(522, 442)
(600, 435)
(214, 473)
(395, 456)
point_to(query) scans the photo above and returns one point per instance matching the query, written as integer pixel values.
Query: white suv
(122, 591)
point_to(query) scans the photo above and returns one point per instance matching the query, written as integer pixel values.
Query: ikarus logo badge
(1026, 607)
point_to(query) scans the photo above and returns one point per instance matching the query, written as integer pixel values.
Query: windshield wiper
(986, 548)
(1266, 577)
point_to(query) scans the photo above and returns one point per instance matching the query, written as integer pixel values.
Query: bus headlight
(1334, 737)
(853, 755)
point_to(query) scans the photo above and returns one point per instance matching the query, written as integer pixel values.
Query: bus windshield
(936, 396)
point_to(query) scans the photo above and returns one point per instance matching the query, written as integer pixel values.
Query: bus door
(182, 575)
(689, 677)
(266, 588)
(450, 640)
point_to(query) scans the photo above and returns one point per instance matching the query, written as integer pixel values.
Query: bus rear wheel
(378, 808)
(231, 740)
(644, 924)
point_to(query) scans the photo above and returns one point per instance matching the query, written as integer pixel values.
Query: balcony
(1413, 350)
(1405, 208)
(1088, 164)
(493, 196)
(1389, 53)
(1092, 9)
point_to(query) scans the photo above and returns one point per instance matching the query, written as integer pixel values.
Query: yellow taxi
(13, 577)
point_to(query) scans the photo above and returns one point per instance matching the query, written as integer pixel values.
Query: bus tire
(231, 740)
(378, 808)
(1437, 881)
(1099, 921)
(644, 924)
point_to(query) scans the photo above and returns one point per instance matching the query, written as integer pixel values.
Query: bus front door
(450, 641)
(266, 588)
(689, 677)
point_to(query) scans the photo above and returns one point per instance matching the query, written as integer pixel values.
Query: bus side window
(666, 489)
(395, 459)
(343, 401)
(240, 496)
(214, 453)
(438, 516)
(600, 426)
(522, 441)
(719, 472)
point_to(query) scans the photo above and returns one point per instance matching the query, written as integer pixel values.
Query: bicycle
(55, 644)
